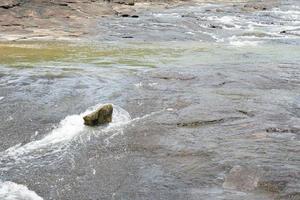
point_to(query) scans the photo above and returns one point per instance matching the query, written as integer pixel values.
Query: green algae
(29, 54)
(22, 55)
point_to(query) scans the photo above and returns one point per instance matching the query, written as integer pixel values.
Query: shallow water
(197, 116)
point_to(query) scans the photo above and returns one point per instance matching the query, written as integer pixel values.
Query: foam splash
(240, 43)
(67, 130)
(227, 20)
(235, 41)
(108, 139)
(13, 191)
(287, 14)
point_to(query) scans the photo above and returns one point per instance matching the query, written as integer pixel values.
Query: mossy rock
(102, 115)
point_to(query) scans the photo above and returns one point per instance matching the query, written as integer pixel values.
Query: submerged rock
(102, 115)
(242, 178)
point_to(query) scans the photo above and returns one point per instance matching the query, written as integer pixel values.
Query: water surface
(197, 116)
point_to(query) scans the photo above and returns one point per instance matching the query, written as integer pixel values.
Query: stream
(206, 106)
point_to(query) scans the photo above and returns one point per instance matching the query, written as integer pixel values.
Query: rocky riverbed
(63, 19)
(205, 96)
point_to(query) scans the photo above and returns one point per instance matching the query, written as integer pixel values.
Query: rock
(124, 11)
(242, 178)
(127, 37)
(254, 7)
(9, 4)
(102, 115)
(215, 26)
(273, 185)
(128, 15)
(282, 130)
(126, 2)
(125, 15)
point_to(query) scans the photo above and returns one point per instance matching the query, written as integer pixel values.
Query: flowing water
(206, 106)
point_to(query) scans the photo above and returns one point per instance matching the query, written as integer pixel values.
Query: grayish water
(207, 106)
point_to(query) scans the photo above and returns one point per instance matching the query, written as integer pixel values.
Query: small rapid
(227, 23)
(59, 138)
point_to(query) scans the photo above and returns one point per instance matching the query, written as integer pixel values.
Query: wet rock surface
(102, 115)
(9, 4)
(242, 178)
(96, 20)
(62, 20)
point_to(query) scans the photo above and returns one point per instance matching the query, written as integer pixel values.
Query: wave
(60, 137)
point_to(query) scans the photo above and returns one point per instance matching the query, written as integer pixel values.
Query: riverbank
(60, 20)
(75, 20)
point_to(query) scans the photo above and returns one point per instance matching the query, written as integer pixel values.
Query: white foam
(287, 14)
(152, 84)
(160, 15)
(1, 98)
(12, 191)
(240, 43)
(68, 129)
(138, 85)
(234, 41)
(227, 20)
